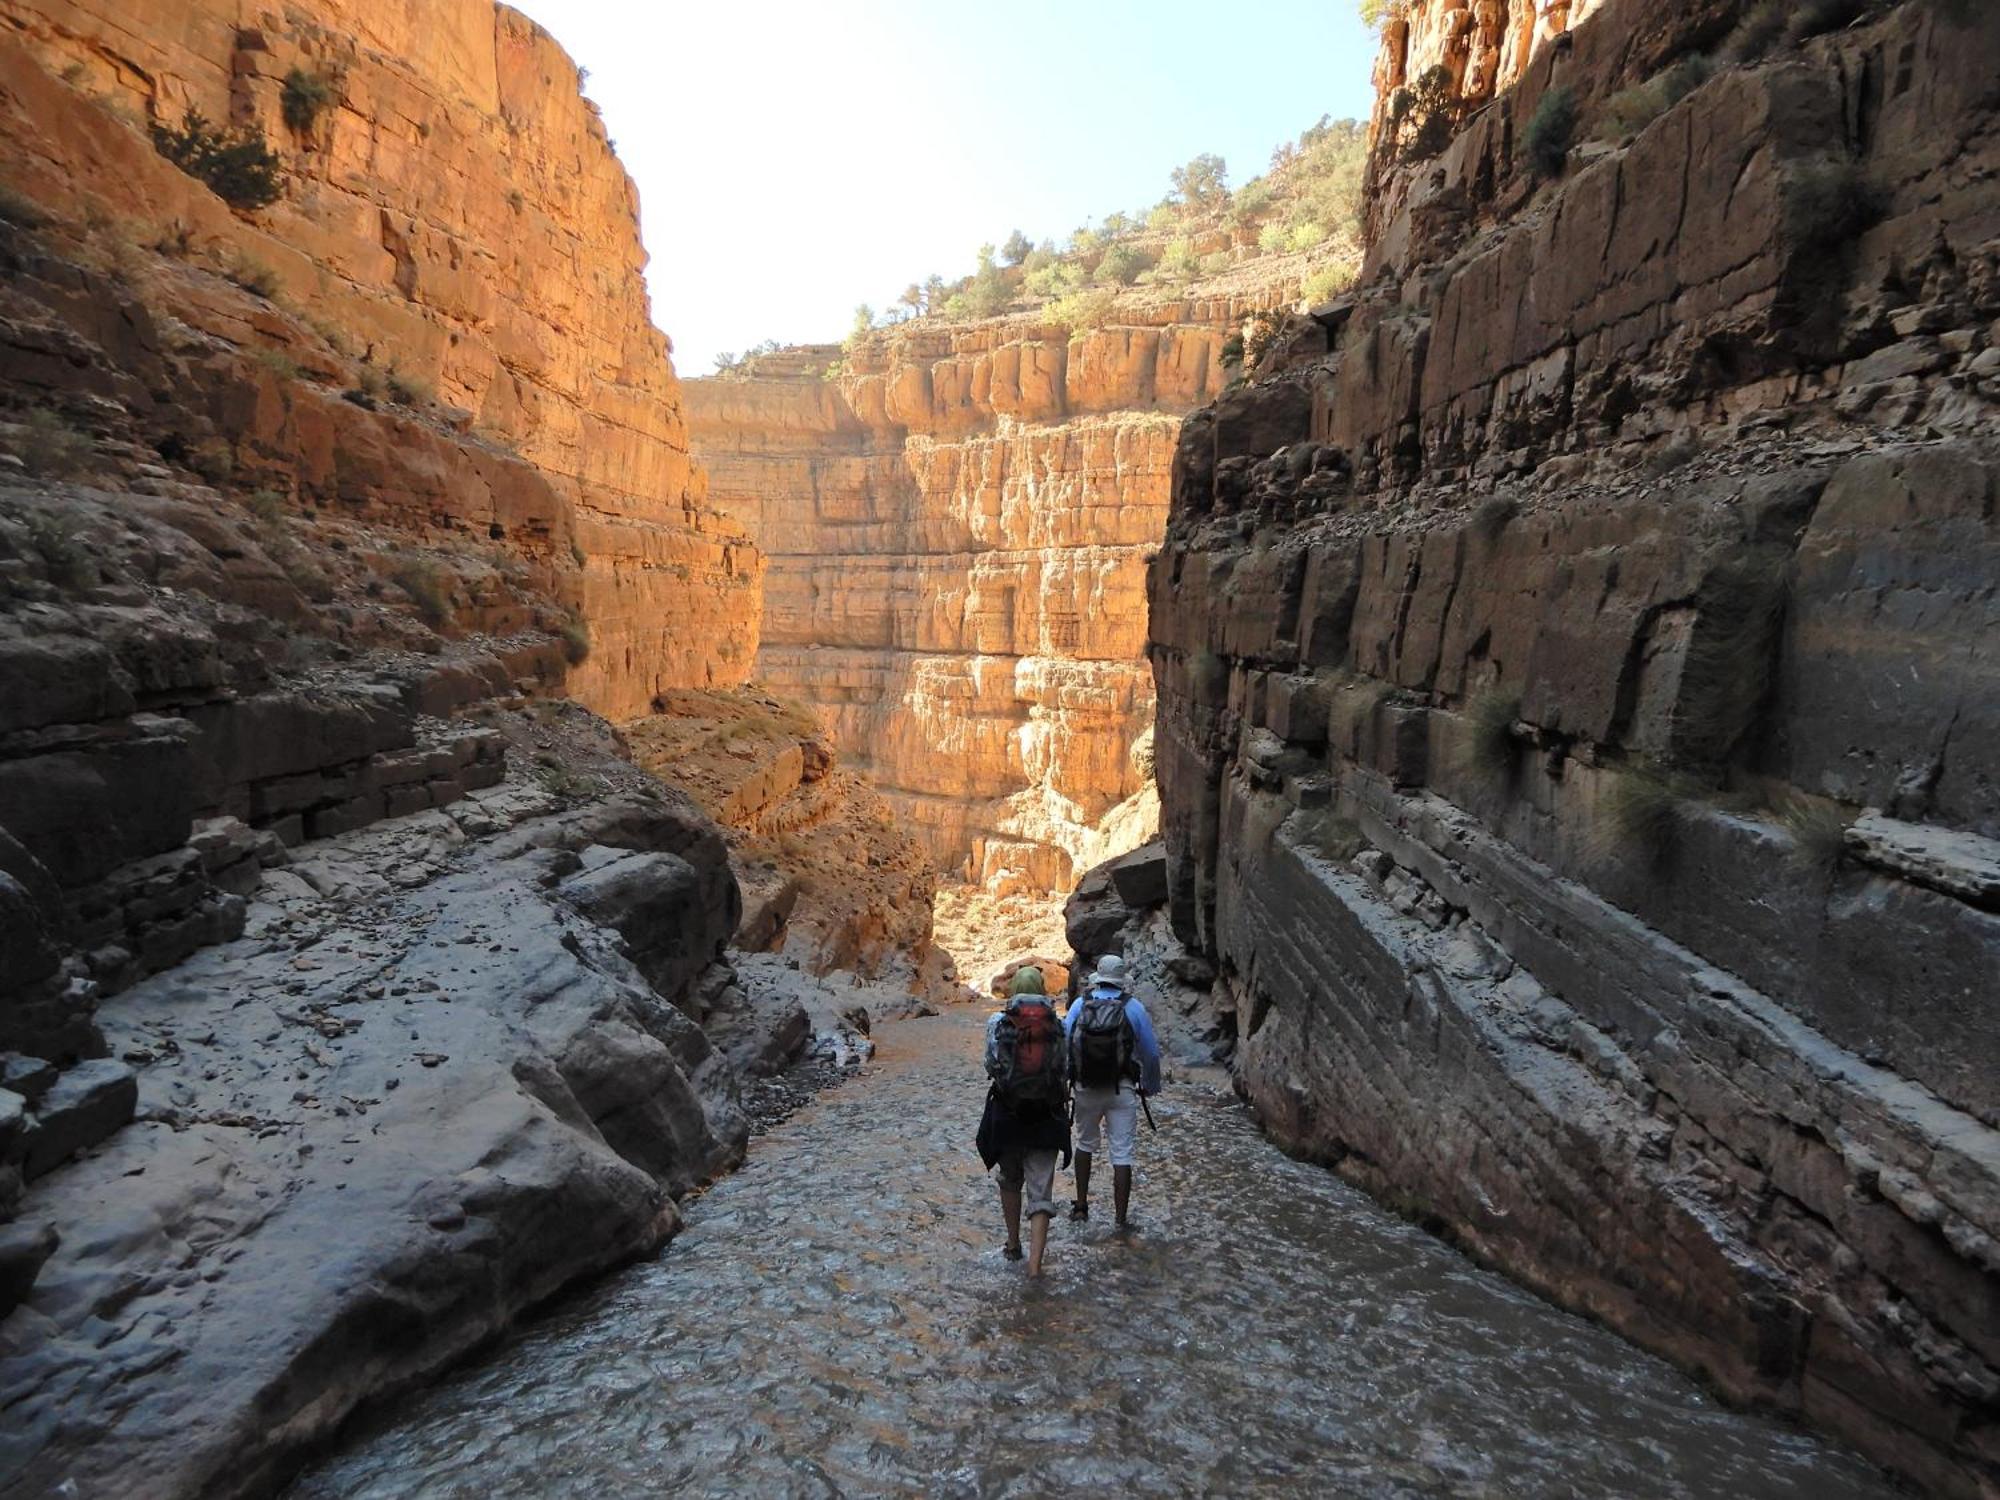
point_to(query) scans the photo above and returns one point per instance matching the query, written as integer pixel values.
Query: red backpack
(1029, 1062)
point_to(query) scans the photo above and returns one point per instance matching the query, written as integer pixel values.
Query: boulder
(79, 1110)
(1140, 878)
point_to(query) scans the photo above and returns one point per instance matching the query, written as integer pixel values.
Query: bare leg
(1082, 1160)
(1038, 1240)
(1010, 1210)
(1121, 1192)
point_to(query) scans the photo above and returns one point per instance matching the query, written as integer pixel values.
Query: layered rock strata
(957, 529)
(454, 228)
(830, 880)
(1576, 658)
(454, 1063)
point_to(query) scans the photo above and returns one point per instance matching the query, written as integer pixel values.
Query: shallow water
(836, 1319)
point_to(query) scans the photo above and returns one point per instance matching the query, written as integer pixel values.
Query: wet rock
(29, 1077)
(79, 1110)
(24, 1248)
(1961, 864)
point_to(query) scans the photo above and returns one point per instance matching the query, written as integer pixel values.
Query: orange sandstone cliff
(958, 526)
(453, 217)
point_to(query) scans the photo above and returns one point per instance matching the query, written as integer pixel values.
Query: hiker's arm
(1145, 1046)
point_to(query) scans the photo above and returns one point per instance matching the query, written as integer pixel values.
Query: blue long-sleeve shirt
(1145, 1043)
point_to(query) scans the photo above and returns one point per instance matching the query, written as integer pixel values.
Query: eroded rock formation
(1578, 692)
(957, 530)
(453, 225)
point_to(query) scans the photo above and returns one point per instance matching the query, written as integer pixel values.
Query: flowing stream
(837, 1319)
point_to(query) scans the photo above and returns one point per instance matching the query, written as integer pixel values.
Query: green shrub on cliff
(1641, 815)
(1818, 829)
(63, 556)
(576, 640)
(424, 581)
(1828, 202)
(236, 164)
(48, 446)
(21, 212)
(1080, 310)
(1815, 16)
(1757, 33)
(1119, 266)
(303, 97)
(1550, 133)
(1326, 283)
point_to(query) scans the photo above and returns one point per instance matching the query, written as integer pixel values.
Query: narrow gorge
(1496, 619)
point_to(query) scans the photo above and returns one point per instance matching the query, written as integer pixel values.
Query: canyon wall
(1579, 692)
(453, 218)
(957, 530)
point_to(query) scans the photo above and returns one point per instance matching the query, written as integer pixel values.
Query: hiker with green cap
(1026, 1123)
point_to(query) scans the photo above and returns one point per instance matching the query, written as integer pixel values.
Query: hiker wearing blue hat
(1114, 1066)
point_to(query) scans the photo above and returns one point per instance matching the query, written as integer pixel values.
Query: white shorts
(1117, 1110)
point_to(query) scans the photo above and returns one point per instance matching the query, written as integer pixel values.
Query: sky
(795, 159)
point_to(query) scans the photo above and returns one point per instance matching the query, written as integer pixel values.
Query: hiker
(1114, 1060)
(1026, 1124)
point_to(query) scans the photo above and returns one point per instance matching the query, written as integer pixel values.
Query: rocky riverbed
(836, 1318)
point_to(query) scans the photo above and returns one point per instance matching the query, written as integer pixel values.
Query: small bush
(1232, 351)
(279, 364)
(21, 212)
(1819, 832)
(1677, 454)
(175, 241)
(237, 165)
(1551, 130)
(1425, 114)
(1641, 816)
(1208, 678)
(1757, 33)
(1119, 266)
(576, 641)
(1685, 76)
(1017, 248)
(1326, 283)
(424, 581)
(54, 540)
(1829, 202)
(1491, 517)
(1489, 732)
(49, 447)
(252, 275)
(213, 459)
(1815, 16)
(1080, 310)
(1216, 262)
(1271, 239)
(1337, 838)
(303, 97)
(266, 506)
(1303, 237)
(408, 390)
(1630, 111)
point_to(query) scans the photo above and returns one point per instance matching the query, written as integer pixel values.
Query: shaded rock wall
(957, 532)
(455, 215)
(1577, 679)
